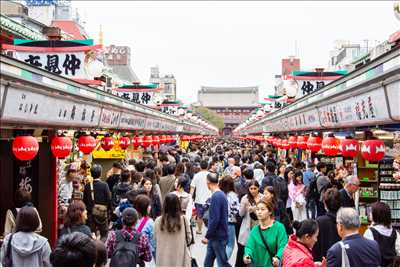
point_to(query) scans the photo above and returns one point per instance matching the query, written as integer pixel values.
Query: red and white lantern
(292, 142)
(285, 144)
(86, 144)
(147, 140)
(25, 147)
(163, 139)
(349, 147)
(107, 143)
(314, 143)
(61, 146)
(124, 142)
(156, 140)
(330, 146)
(302, 142)
(373, 150)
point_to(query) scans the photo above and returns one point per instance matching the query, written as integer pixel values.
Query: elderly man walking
(353, 250)
(347, 193)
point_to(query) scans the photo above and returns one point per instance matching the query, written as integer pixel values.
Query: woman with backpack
(25, 247)
(383, 233)
(128, 247)
(173, 235)
(145, 224)
(75, 219)
(21, 198)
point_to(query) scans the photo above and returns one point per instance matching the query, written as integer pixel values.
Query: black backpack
(312, 190)
(126, 251)
(281, 188)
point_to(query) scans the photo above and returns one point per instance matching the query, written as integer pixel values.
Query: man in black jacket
(351, 186)
(328, 234)
(97, 197)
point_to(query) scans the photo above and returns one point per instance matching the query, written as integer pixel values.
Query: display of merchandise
(389, 188)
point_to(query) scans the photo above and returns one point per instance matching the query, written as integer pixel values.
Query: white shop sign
(143, 98)
(304, 120)
(358, 110)
(109, 118)
(130, 121)
(393, 90)
(68, 64)
(26, 106)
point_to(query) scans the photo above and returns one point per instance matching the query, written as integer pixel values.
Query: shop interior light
(386, 137)
(379, 132)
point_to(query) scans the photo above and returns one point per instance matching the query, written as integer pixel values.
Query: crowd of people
(277, 211)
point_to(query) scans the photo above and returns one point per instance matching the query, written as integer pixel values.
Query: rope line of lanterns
(372, 150)
(27, 147)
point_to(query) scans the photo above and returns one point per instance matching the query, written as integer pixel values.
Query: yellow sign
(114, 153)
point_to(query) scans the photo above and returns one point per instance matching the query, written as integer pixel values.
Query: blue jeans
(231, 240)
(216, 249)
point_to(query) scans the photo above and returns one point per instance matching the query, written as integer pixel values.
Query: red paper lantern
(134, 141)
(302, 142)
(373, 150)
(171, 138)
(163, 139)
(25, 147)
(278, 142)
(124, 142)
(314, 143)
(156, 140)
(61, 146)
(330, 146)
(107, 143)
(349, 147)
(292, 142)
(86, 144)
(285, 144)
(147, 140)
(139, 141)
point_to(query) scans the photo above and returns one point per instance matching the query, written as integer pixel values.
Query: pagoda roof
(70, 27)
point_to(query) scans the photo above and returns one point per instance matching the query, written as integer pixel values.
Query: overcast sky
(232, 43)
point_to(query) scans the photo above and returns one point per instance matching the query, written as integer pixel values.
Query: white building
(167, 82)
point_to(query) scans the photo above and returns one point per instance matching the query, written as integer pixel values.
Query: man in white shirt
(199, 183)
(66, 187)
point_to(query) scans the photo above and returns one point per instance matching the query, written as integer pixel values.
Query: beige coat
(171, 249)
(10, 223)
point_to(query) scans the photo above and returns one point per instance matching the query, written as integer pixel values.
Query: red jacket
(297, 255)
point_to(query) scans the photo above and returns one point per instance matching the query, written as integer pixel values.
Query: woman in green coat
(267, 240)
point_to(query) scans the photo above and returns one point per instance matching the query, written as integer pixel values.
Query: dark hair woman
(21, 198)
(382, 232)
(145, 224)
(328, 234)
(147, 188)
(25, 247)
(172, 228)
(298, 249)
(75, 219)
(247, 210)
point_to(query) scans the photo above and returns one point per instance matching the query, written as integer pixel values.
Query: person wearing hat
(130, 234)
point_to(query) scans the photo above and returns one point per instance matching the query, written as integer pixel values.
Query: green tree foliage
(210, 116)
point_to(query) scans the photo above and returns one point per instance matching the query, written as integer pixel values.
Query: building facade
(233, 104)
(166, 82)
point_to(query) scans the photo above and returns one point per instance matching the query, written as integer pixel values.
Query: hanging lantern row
(371, 150)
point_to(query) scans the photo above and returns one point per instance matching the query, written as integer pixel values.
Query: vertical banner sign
(25, 177)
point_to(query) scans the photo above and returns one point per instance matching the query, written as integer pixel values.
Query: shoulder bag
(99, 211)
(271, 255)
(8, 257)
(345, 257)
(193, 260)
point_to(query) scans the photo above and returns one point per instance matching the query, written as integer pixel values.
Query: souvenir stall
(49, 121)
(353, 122)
